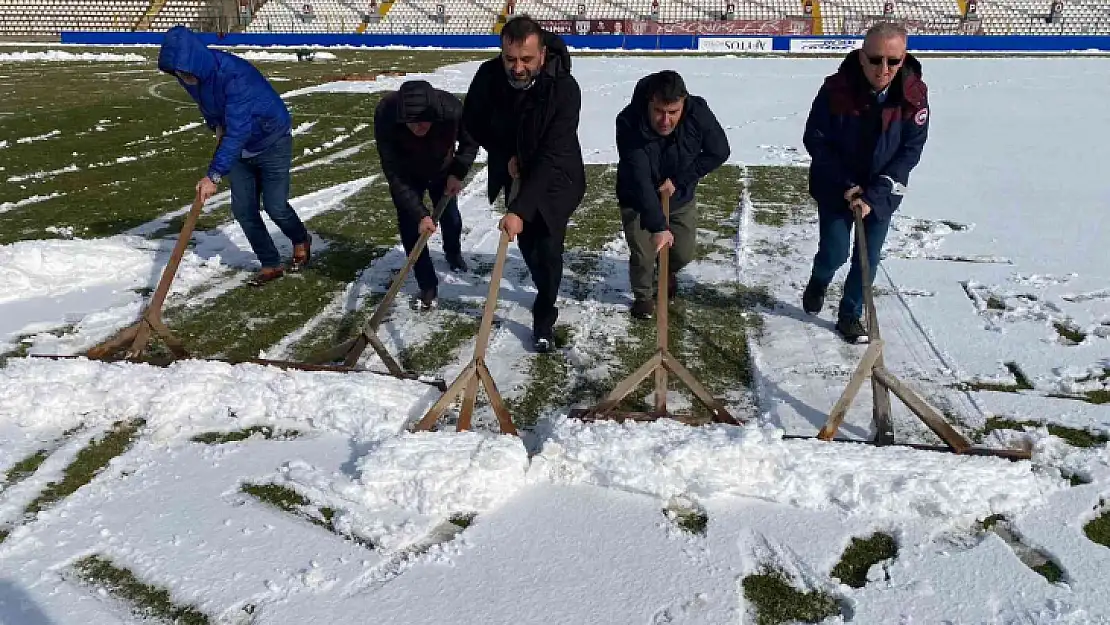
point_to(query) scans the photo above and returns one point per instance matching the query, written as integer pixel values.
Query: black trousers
(450, 225)
(542, 248)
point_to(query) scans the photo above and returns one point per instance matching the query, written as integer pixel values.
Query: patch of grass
(958, 227)
(718, 198)
(463, 520)
(767, 217)
(1019, 376)
(691, 519)
(1069, 332)
(25, 468)
(1038, 561)
(147, 601)
(598, 218)
(547, 383)
(265, 431)
(861, 555)
(1101, 396)
(776, 601)
(438, 350)
(1050, 571)
(994, 303)
(1098, 528)
(1072, 436)
(289, 500)
(88, 463)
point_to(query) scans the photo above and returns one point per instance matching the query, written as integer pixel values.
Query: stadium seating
(48, 17)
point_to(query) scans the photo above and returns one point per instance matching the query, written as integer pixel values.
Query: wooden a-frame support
(883, 382)
(476, 371)
(351, 350)
(660, 363)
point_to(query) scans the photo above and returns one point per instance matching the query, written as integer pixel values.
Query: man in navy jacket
(416, 129)
(865, 133)
(667, 140)
(253, 128)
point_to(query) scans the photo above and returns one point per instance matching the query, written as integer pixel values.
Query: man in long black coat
(523, 108)
(415, 130)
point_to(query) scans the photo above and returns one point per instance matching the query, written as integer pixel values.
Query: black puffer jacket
(410, 162)
(539, 126)
(697, 146)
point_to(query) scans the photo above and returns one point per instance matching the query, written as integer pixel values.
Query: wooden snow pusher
(660, 364)
(883, 382)
(349, 351)
(130, 343)
(476, 371)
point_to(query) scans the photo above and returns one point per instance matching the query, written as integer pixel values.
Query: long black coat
(539, 126)
(697, 146)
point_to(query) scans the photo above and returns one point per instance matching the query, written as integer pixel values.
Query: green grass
(1098, 528)
(289, 500)
(776, 601)
(438, 350)
(861, 555)
(264, 431)
(88, 463)
(24, 468)
(146, 601)
(1072, 436)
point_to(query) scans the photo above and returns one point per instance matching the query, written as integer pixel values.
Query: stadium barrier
(812, 44)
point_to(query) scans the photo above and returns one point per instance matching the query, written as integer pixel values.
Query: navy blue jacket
(855, 140)
(697, 146)
(231, 93)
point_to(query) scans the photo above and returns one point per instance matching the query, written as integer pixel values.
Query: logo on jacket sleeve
(921, 117)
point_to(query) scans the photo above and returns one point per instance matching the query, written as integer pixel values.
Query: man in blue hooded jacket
(255, 144)
(865, 133)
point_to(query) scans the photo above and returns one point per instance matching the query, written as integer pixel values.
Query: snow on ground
(262, 55)
(582, 517)
(61, 55)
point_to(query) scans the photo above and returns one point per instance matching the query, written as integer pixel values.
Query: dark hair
(518, 29)
(666, 86)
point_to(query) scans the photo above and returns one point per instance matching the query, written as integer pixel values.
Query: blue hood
(183, 51)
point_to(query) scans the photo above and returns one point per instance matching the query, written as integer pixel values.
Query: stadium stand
(831, 17)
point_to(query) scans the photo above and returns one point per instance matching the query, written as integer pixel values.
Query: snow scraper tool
(660, 364)
(130, 343)
(883, 382)
(349, 351)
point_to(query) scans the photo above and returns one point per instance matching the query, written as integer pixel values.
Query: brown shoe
(643, 308)
(302, 253)
(267, 274)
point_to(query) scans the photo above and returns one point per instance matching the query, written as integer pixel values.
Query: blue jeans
(836, 224)
(450, 224)
(266, 175)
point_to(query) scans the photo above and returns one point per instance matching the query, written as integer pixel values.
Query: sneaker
(267, 274)
(302, 253)
(457, 263)
(813, 298)
(427, 299)
(852, 329)
(643, 308)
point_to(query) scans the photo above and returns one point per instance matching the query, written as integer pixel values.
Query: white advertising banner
(825, 45)
(735, 44)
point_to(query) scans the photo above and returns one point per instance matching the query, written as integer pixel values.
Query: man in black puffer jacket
(415, 130)
(667, 140)
(523, 108)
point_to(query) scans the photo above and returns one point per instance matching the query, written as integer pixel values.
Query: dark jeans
(836, 225)
(542, 249)
(642, 258)
(450, 224)
(266, 175)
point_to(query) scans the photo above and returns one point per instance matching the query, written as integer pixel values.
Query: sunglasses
(890, 61)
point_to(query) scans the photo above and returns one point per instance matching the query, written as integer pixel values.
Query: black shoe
(851, 328)
(813, 298)
(427, 299)
(643, 308)
(457, 263)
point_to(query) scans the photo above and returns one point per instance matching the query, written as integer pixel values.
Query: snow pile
(59, 55)
(52, 267)
(42, 137)
(190, 395)
(668, 459)
(259, 55)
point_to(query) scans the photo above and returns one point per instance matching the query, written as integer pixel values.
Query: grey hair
(886, 30)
